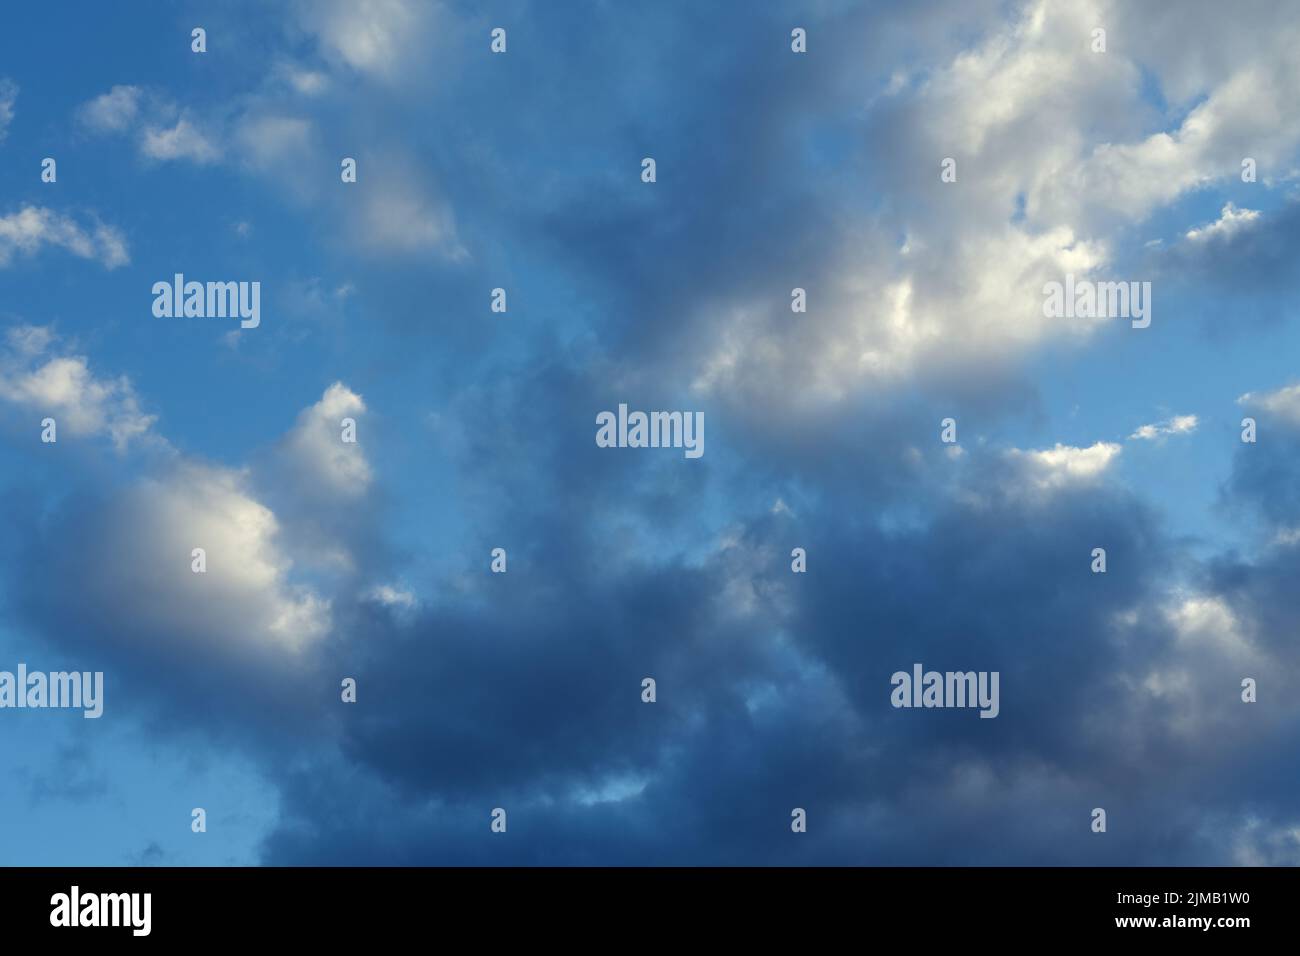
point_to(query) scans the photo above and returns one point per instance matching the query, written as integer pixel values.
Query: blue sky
(775, 170)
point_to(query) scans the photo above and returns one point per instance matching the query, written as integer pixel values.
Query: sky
(1115, 157)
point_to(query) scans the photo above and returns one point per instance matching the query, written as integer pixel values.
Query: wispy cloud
(1178, 425)
(32, 227)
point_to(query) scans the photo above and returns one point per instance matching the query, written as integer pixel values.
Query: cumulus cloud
(32, 227)
(183, 140)
(1064, 465)
(316, 450)
(1242, 100)
(1230, 221)
(62, 387)
(964, 288)
(112, 112)
(1055, 163)
(254, 603)
(244, 596)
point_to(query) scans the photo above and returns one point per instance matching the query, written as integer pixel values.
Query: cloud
(1055, 163)
(112, 112)
(374, 37)
(249, 611)
(1283, 403)
(1103, 691)
(1233, 101)
(315, 448)
(522, 689)
(1178, 425)
(182, 141)
(1262, 483)
(939, 279)
(31, 227)
(1230, 221)
(62, 386)
(390, 596)
(254, 624)
(1242, 258)
(1065, 465)
(243, 598)
(165, 132)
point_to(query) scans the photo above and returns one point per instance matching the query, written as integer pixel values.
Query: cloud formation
(328, 559)
(24, 233)
(47, 381)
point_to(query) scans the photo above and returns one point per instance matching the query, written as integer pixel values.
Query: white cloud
(63, 387)
(1282, 402)
(166, 133)
(1208, 623)
(1065, 465)
(254, 597)
(377, 37)
(182, 141)
(959, 290)
(1178, 425)
(316, 450)
(111, 112)
(1249, 103)
(245, 597)
(1056, 162)
(31, 227)
(978, 299)
(1231, 221)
